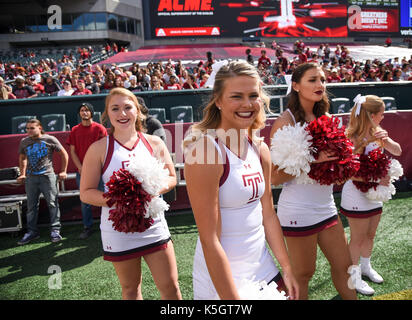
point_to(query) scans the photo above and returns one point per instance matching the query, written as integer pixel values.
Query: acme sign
(185, 5)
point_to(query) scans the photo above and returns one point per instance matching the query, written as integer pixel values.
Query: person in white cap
(22, 91)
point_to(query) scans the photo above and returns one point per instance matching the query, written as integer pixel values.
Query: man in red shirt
(80, 139)
(81, 89)
(264, 60)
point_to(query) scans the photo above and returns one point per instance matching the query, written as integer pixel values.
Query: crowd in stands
(74, 75)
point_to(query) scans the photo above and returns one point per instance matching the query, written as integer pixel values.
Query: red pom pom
(373, 166)
(129, 198)
(327, 136)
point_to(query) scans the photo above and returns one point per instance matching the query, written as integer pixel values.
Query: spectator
(388, 42)
(372, 76)
(358, 77)
(249, 57)
(36, 171)
(326, 51)
(151, 124)
(334, 77)
(397, 75)
(134, 86)
(90, 85)
(79, 140)
(264, 60)
(387, 76)
(37, 87)
(190, 82)
(5, 91)
(155, 84)
(348, 77)
(405, 71)
(67, 89)
(51, 86)
(173, 85)
(22, 91)
(81, 89)
(209, 60)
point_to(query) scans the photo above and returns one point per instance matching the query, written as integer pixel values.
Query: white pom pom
(395, 170)
(254, 290)
(150, 172)
(304, 179)
(291, 149)
(382, 193)
(156, 207)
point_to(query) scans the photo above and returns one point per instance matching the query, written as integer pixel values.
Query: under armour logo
(108, 248)
(247, 166)
(293, 222)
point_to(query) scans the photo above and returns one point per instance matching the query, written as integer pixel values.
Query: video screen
(258, 18)
(406, 17)
(373, 17)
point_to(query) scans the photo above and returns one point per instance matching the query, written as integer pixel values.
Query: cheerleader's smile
(240, 103)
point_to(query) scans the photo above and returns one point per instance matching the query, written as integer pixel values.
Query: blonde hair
(362, 125)
(126, 93)
(211, 114)
(4, 93)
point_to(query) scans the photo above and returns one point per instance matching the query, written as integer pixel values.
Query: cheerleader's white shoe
(363, 288)
(372, 274)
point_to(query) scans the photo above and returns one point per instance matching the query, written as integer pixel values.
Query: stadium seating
(18, 124)
(158, 113)
(54, 122)
(340, 105)
(181, 114)
(390, 103)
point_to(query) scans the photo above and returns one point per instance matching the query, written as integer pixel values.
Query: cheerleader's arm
(202, 184)
(273, 230)
(390, 145)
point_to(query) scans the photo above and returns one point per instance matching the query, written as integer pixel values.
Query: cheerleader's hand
(325, 156)
(385, 181)
(291, 285)
(382, 134)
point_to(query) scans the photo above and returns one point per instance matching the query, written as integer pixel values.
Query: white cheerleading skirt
(355, 204)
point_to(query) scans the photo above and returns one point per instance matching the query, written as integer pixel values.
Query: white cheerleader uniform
(306, 209)
(242, 234)
(354, 203)
(120, 246)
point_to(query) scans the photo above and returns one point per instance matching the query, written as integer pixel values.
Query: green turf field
(29, 272)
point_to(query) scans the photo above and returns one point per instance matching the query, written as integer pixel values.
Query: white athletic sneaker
(363, 288)
(372, 274)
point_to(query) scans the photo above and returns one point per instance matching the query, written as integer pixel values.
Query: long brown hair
(211, 114)
(362, 125)
(127, 93)
(319, 109)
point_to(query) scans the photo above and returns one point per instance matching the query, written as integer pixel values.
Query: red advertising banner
(380, 20)
(181, 32)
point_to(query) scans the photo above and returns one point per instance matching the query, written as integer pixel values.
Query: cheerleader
(107, 155)
(227, 170)
(363, 214)
(307, 212)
